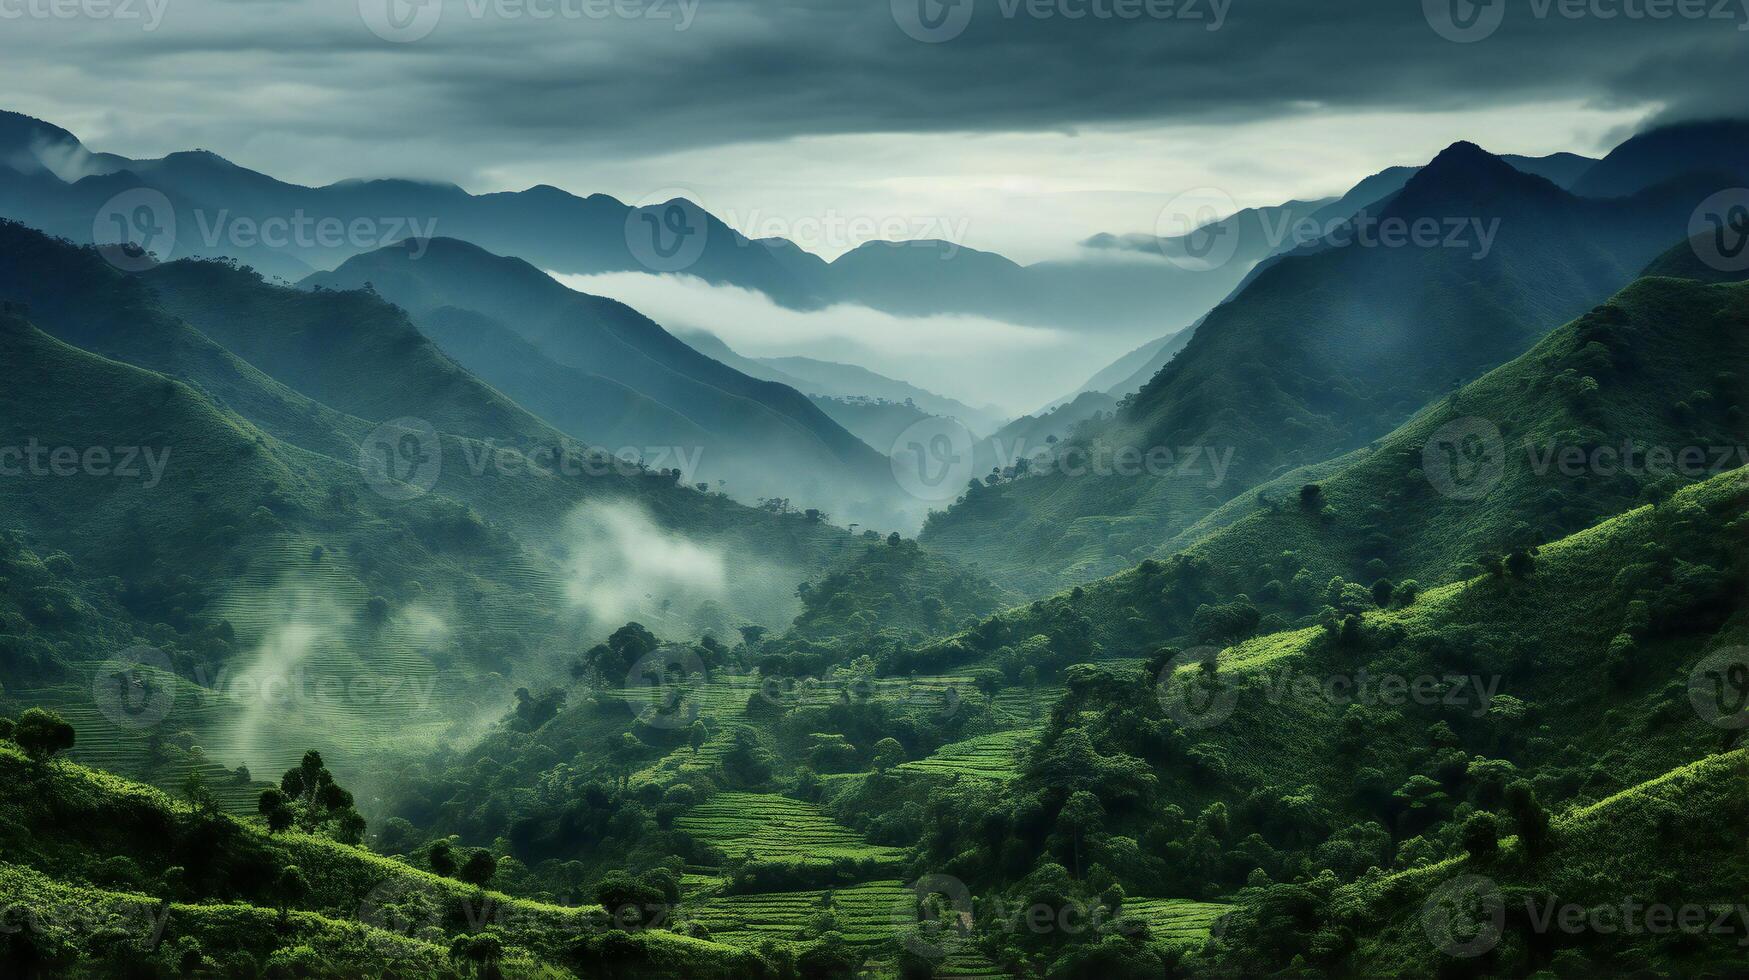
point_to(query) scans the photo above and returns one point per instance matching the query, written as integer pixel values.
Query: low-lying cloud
(622, 565)
(978, 360)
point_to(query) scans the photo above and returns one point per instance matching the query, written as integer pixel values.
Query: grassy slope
(90, 840)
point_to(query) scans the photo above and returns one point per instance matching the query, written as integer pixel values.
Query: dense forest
(1392, 619)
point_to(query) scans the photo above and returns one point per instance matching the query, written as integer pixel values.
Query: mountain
(1667, 152)
(766, 439)
(833, 380)
(1643, 369)
(185, 890)
(1325, 349)
(1260, 232)
(254, 531)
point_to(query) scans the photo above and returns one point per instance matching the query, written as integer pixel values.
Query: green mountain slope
(1646, 369)
(767, 439)
(182, 891)
(1326, 349)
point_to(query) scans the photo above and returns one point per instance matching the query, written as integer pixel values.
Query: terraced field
(1176, 919)
(772, 827)
(996, 757)
(867, 914)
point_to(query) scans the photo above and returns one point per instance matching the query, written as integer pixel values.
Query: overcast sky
(1013, 125)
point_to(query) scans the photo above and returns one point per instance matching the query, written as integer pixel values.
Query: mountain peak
(1461, 177)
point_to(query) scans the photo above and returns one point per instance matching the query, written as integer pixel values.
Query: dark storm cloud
(760, 71)
(771, 71)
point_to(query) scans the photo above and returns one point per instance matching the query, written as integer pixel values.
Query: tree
(274, 806)
(696, 736)
(479, 868)
(1312, 498)
(1520, 563)
(631, 902)
(888, 753)
(43, 734)
(1529, 817)
(200, 797)
(1082, 816)
(289, 889)
(1481, 836)
(317, 803)
(441, 857)
(482, 950)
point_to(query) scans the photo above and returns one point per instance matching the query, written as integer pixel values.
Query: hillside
(187, 891)
(1326, 349)
(1666, 153)
(766, 439)
(1400, 511)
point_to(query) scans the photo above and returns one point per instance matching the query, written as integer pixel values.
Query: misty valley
(1153, 491)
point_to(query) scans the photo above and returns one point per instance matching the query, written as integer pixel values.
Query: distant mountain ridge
(1328, 347)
